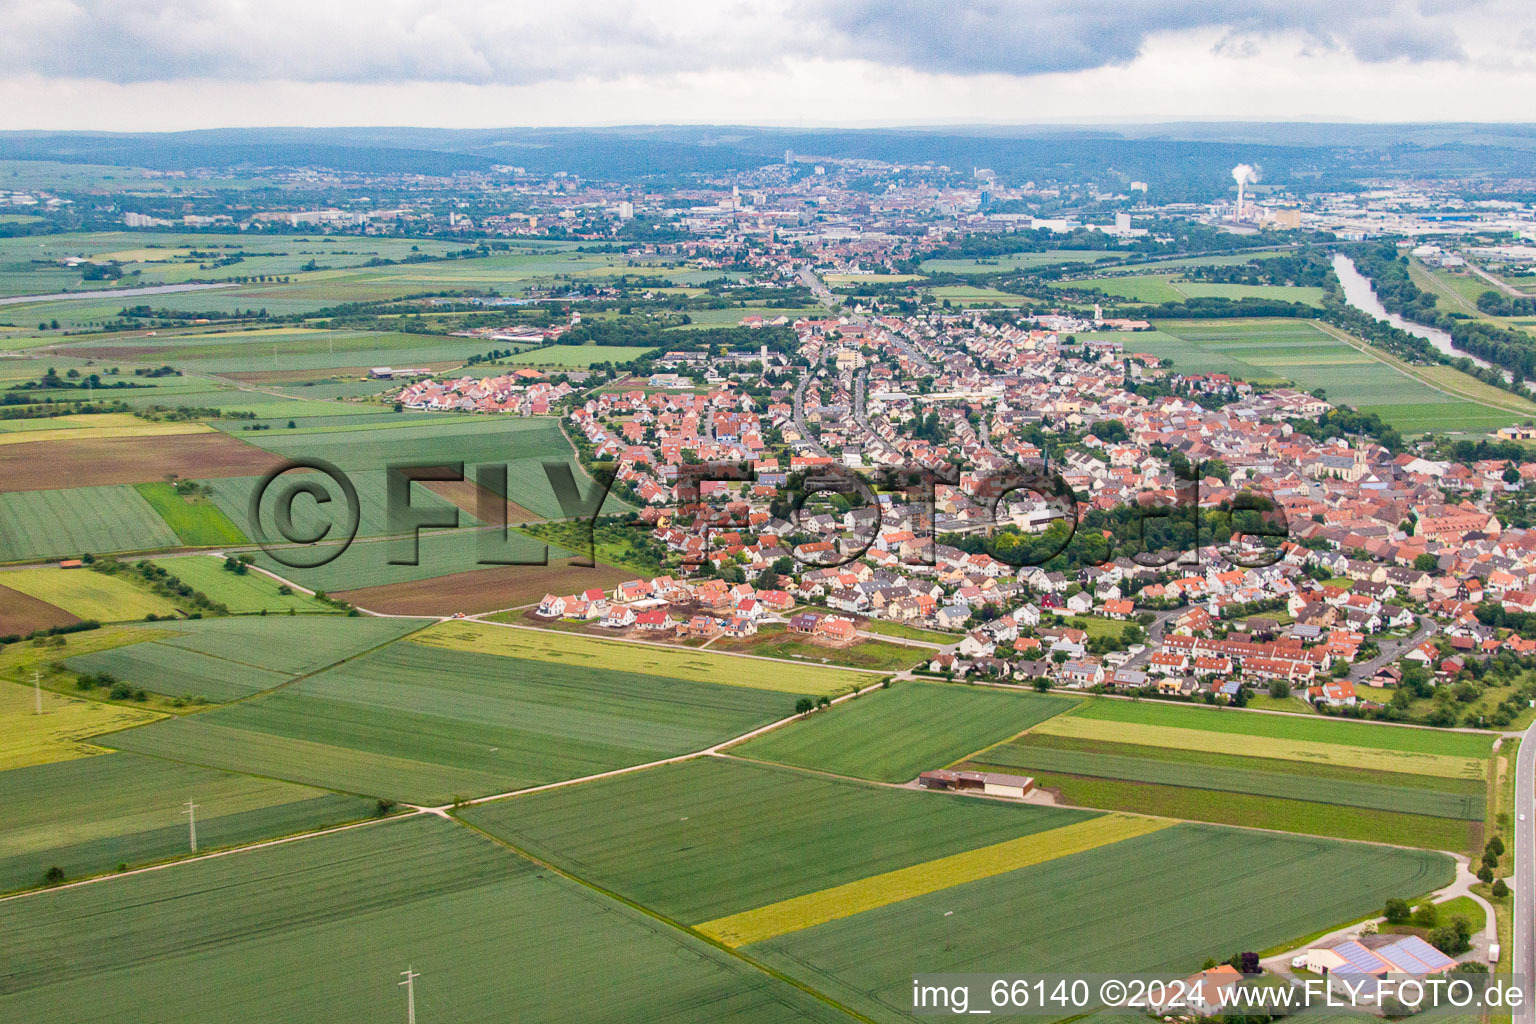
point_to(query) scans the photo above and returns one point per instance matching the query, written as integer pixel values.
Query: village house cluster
(1384, 560)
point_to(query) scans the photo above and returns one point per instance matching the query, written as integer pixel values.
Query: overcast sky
(172, 64)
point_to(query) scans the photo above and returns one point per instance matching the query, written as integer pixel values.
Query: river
(1358, 293)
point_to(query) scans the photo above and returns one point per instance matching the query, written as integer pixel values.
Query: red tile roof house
(597, 602)
(1335, 693)
(1167, 663)
(1119, 608)
(775, 600)
(634, 590)
(654, 621)
(838, 629)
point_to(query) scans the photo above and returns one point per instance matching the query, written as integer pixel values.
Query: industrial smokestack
(1243, 174)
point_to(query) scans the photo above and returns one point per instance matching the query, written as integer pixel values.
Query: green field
(885, 627)
(198, 522)
(1297, 350)
(972, 295)
(1137, 288)
(1016, 261)
(578, 355)
(1267, 812)
(886, 888)
(290, 644)
(523, 445)
(175, 672)
(226, 659)
(1286, 749)
(279, 349)
(755, 833)
(69, 523)
(245, 594)
(428, 725)
(1128, 906)
(1170, 287)
(320, 930)
(467, 439)
(339, 276)
(892, 735)
(1316, 730)
(89, 815)
(1319, 783)
(367, 563)
(233, 497)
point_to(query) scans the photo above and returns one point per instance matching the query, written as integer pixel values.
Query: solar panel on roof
(1406, 962)
(1362, 958)
(1412, 945)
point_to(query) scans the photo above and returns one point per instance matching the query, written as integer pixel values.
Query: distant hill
(1184, 160)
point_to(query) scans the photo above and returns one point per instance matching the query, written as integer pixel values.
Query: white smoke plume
(1245, 174)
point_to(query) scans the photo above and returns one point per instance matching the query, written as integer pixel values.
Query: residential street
(1391, 650)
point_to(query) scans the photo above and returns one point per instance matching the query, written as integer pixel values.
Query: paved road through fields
(1523, 957)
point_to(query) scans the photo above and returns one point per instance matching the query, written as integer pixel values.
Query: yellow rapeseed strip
(621, 656)
(1443, 765)
(840, 901)
(87, 594)
(61, 731)
(140, 429)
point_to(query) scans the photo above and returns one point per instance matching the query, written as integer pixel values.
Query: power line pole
(684, 821)
(192, 823)
(37, 691)
(409, 983)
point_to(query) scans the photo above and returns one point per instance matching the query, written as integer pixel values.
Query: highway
(1523, 957)
(819, 289)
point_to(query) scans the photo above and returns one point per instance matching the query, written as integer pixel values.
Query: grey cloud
(527, 41)
(1023, 37)
(354, 40)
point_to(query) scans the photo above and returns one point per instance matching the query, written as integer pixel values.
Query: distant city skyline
(176, 64)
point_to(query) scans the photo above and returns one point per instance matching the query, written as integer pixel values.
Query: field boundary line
(1089, 696)
(1422, 275)
(1076, 702)
(716, 751)
(811, 909)
(1449, 766)
(214, 855)
(661, 918)
(1406, 369)
(726, 755)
